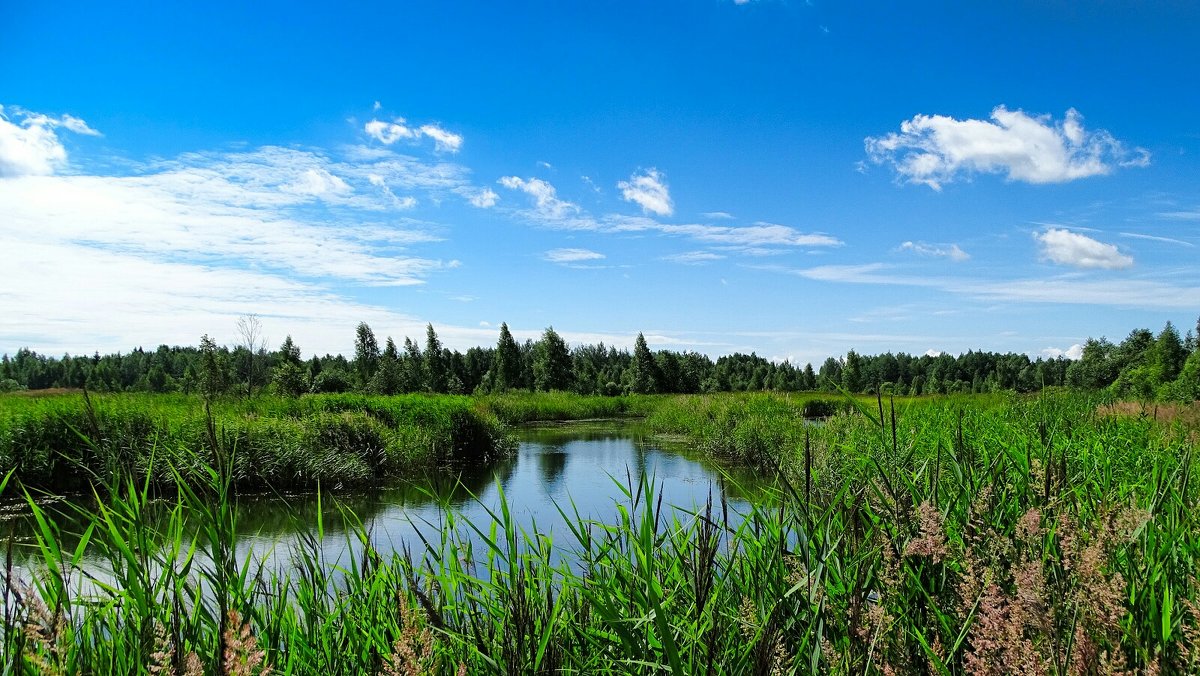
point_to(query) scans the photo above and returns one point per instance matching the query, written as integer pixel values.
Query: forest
(1143, 365)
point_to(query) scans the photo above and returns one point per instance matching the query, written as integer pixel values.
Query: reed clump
(70, 442)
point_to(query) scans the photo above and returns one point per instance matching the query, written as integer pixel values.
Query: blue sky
(796, 179)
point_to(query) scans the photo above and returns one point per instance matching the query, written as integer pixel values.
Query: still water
(578, 467)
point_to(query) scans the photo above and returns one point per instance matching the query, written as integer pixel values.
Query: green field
(973, 534)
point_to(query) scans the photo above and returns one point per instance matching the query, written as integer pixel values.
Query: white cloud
(565, 256)
(649, 190)
(1071, 289)
(545, 197)
(1071, 248)
(1073, 352)
(714, 215)
(1156, 238)
(32, 147)
(933, 353)
(484, 199)
(1181, 215)
(443, 140)
(937, 149)
(318, 182)
(388, 133)
(952, 251)
(693, 257)
(552, 212)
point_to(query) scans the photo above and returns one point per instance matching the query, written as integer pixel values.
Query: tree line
(1143, 365)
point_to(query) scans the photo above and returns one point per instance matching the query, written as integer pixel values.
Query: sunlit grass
(964, 535)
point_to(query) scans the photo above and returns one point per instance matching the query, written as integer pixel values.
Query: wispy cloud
(1072, 289)
(648, 189)
(951, 251)
(1181, 215)
(718, 215)
(1156, 238)
(173, 248)
(937, 149)
(693, 258)
(552, 212)
(567, 256)
(1071, 248)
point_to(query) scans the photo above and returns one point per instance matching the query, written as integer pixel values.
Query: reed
(948, 536)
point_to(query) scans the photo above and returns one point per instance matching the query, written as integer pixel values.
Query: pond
(578, 467)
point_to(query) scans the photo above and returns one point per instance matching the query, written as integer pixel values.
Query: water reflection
(578, 467)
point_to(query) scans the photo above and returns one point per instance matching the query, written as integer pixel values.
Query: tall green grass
(69, 442)
(950, 536)
(550, 406)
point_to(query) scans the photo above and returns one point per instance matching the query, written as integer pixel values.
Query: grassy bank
(65, 442)
(948, 536)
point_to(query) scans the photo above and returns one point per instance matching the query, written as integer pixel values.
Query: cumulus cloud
(1073, 352)
(566, 256)
(648, 189)
(938, 149)
(1064, 247)
(484, 199)
(951, 251)
(388, 133)
(29, 143)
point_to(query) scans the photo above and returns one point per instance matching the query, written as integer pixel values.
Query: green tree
(289, 351)
(852, 372)
(1169, 354)
(212, 374)
(388, 378)
(506, 364)
(645, 378)
(366, 354)
(290, 377)
(412, 369)
(830, 374)
(436, 371)
(552, 362)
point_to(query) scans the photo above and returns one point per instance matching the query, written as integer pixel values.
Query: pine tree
(645, 368)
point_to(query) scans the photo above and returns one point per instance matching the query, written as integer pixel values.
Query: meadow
(1043, 534)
